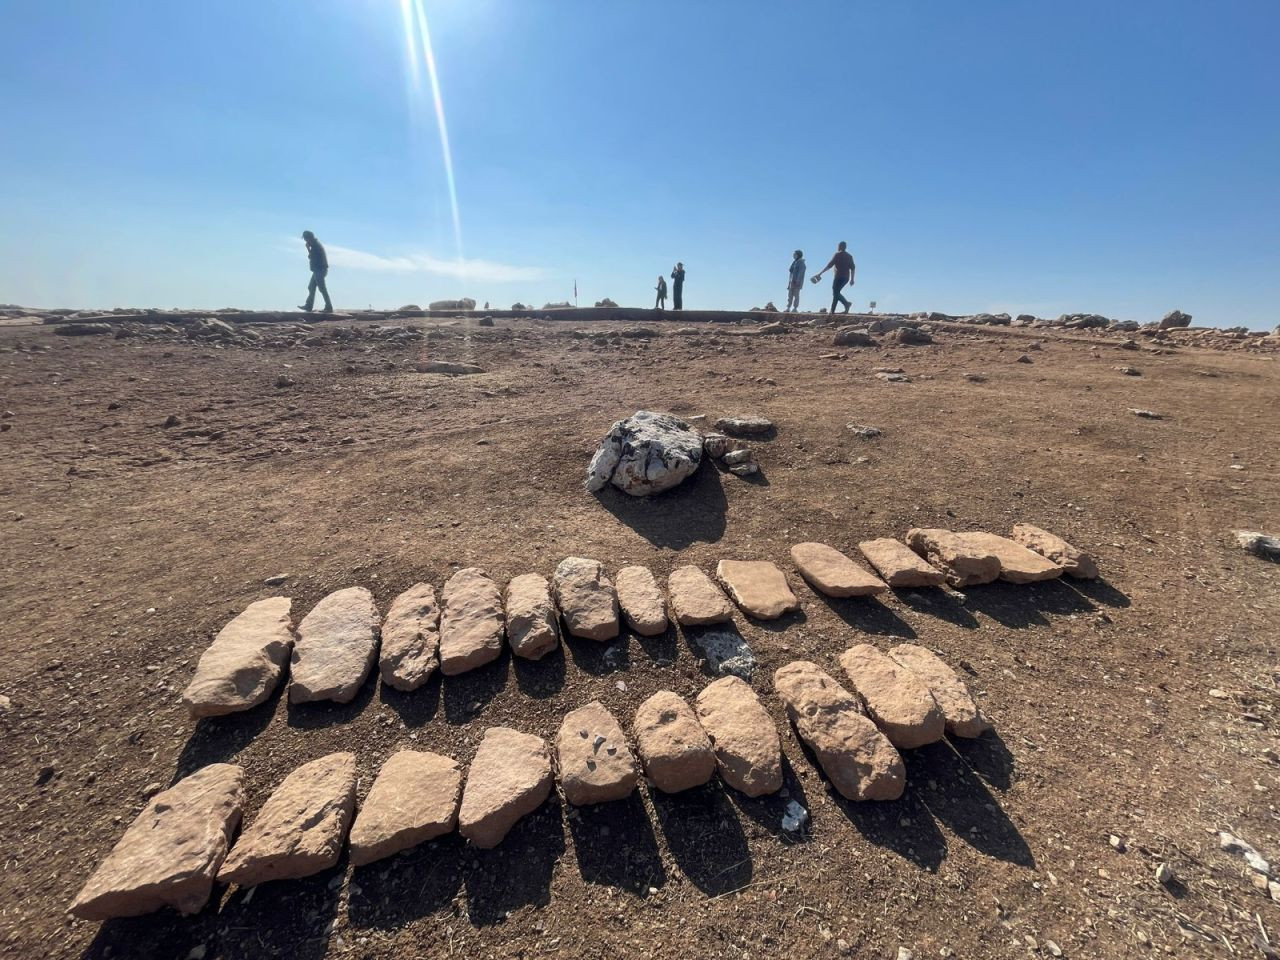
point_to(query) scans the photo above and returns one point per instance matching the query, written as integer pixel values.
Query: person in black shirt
(319, 270)
(677, 287)
(844, 266)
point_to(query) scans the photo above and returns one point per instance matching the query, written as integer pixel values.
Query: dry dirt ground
(126, 545)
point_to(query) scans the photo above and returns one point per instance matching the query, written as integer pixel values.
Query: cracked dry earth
(125, 545)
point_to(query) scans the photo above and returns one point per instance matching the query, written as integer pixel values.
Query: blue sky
(1120, 158)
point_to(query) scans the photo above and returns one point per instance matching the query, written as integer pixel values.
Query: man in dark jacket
(842, 261)
(319, 270)
(677, 287)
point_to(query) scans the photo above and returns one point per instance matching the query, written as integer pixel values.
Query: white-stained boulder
(644, 454)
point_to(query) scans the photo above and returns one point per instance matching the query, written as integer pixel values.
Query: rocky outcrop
(644, 454)
(413, 800)
(336, 645)
(674, 748)
(509, 778)
(301, 828)
(171, 852)
(592, 756)
(856, 757)
(748, 751)
(586, 598)
(410, 638)
(1174, 319)
(242, 666)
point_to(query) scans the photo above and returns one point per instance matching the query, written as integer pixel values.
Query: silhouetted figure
(795, 281)
(661, 302)
(844, 266)
(319, 270)
(677, 287)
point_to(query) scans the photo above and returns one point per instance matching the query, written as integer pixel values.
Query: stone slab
(594, 761)
(532, 623)
(586, 599)
(758, 587)
(471, 622)
(641, 601)
(411, 638)
(962, 563)
(1074, 561)
(675, 750)
(337, 642)
(963, 718)
(898, 701)
(748, 751)
(414, 799)
(831, 572)
(242, 666)
(509, 778)
(695, 599)
(898, 564)
(1017, 563)
(171, 852)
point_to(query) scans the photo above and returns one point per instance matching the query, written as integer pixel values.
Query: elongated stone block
(748, 751)
(509, 778)
(896, 699)
(471, 622)
(411, 638)
(336, 645)
(413, 800)
(242, 666)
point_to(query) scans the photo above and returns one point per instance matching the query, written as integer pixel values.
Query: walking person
(661, 302)
(677, 287)
(795, 281)
(843, 263)
(319, 270)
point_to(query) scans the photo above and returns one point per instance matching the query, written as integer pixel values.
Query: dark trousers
(836, 296)
(317, 283)
(677, 296)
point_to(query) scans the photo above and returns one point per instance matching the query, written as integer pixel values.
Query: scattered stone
(242, 666)
(853, 337)
(276, 580)
(471, 622)
(1259, 544)
(595, 763)
(745, 469)
(910, 336)
(586, 599)
(644, 454)
(1018, 564)
(485, 322)
(414, 799)
(962, 563)
(641, 601)
(758, 587)
(1145, 414)
(81, 329)
(748, 751)
(171, 852)
(172, 421)
(716, 445)
(336, 644)
(676, 751)
(724, 649)
(695, 599)
(1175, 318)
(283, 381)
(898, 701)
(509, 778)
(447, 368)
(1165, 875)
(863, 431)
(1230, 843)
(963, 718)
(744, 426)
(735, 457)
(975, 378)
(857, 758)
(795, 816)
(411, 638)
(893, 377)
(532, 623)
(301, 828)
(1074, 561)
(832, 573)
(1024, 359)
(898, 564)
(1129, 371)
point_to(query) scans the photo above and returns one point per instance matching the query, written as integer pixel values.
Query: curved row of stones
(181, 844)
(338, 641)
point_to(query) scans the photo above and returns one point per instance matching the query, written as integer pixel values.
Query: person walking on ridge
(795, 281)
(661, 302)
(844, 267)
(677, 287)
(319, 270)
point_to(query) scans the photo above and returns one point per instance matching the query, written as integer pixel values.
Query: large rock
(896, 699)
(171, 852)
(645, 453)
(641, 601)
(853, 337)
(414, 799)
(724, 648)
(301, 828)
(674, 748)
(448, 368)
(336, 644)
(857, 758)
(1175, 318)
(466, 303)
(1073, 561)
(962, 716)
(899, 565)
(244, 663)
(586, 599)
(758, 587)
(595, 763)
(962, 563)
(695, 599)
(471, 622)
(1017, 563)
(832, 573)
(410, 638)
(743, 736)
(744, 426)
(509, 778)
(1259, 544)
(532, 628)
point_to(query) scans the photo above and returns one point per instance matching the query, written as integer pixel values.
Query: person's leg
(311, 293)
(835, 294)
(328, 304)
(679, 298)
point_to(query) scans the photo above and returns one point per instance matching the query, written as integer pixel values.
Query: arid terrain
(150, 485)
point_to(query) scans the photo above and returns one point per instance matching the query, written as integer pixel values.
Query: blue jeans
(836, 296)
(317, 283)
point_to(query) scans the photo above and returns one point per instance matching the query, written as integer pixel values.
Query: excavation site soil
(150, 486)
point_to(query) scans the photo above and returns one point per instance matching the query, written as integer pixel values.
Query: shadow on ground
(218, 739)
(415, 707)
(517, 873)
(615, 845)
(693, 512)
(868, 615)
(390, 893)
(705, 838)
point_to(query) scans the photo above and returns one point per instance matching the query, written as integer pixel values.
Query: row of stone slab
(178, 846)
(338, 641)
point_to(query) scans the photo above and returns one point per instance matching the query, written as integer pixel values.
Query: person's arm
(830, 263)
